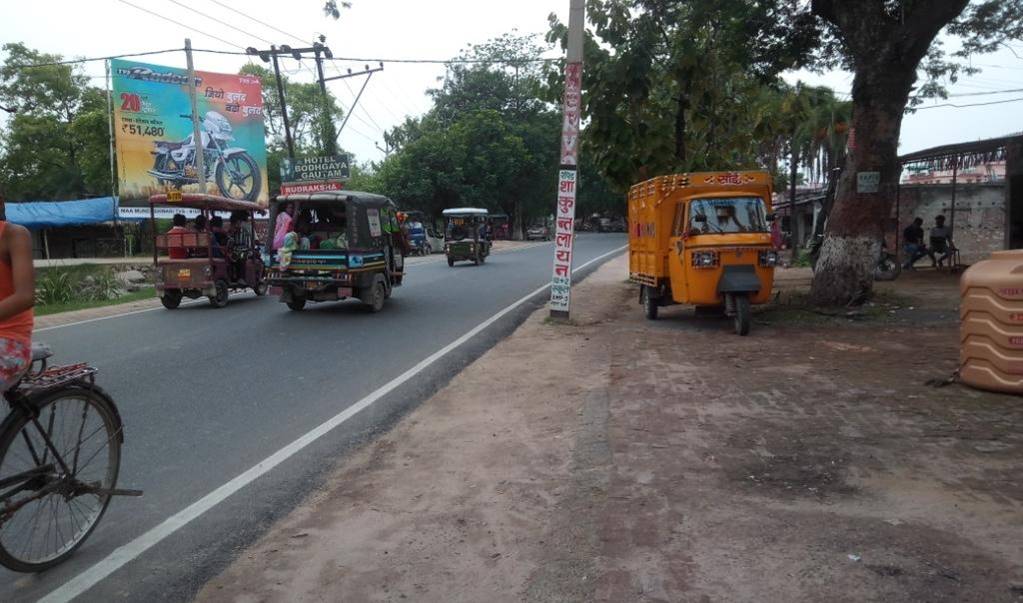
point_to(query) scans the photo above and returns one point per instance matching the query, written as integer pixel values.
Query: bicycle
(60, 453)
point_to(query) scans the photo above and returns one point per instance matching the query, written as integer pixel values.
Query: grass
(67, 288)
(143, 294)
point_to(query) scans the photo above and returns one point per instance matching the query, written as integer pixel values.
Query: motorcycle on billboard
(235, 172)
(154, 134)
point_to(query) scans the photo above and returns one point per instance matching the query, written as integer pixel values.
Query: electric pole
(564, 211)
(200, 164)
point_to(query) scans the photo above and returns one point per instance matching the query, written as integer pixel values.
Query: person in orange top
(17, 296)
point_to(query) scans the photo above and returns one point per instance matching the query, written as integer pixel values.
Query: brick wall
(979, 215)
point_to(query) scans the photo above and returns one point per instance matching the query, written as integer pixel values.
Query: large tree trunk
(886, 49)
(852, 244)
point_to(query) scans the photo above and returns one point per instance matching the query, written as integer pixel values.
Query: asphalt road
(206, 394)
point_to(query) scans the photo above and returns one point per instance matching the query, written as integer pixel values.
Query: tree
(56, 146)
(673, 86)
(488, 140)
(886, 43)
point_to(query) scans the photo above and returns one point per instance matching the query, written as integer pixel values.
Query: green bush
(61, 286)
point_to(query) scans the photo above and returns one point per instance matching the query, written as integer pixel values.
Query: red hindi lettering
(563, 255)
(561, 269)
(563, 239)
(565, 224)
(565, 205)
(567, 186)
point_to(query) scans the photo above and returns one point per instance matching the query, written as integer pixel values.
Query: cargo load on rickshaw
(210, 254)
(334, 245)
(703, 239)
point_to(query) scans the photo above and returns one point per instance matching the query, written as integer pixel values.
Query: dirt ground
(617, 459)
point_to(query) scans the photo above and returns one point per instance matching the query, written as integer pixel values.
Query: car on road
(538, 232)
(347, 244)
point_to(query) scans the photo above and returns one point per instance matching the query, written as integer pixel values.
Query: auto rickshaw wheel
(743, 314)
(451, 262)
(260, 288)
(649, 304)
(377, 295)
(219, 300)
(296, 303)
(171, 299)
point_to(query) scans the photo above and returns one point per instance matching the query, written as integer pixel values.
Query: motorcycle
(236, 173)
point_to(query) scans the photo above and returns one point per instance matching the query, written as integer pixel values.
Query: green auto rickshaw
(466, 235)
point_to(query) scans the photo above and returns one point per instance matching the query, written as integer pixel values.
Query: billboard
(153, 132)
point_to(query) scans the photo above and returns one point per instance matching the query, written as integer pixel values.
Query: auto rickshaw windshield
(726, 215)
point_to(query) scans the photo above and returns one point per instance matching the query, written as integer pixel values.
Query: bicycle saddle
(40, 351)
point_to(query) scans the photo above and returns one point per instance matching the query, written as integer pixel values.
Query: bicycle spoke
(78, 446)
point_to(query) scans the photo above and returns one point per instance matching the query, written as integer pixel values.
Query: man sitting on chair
(941, 243)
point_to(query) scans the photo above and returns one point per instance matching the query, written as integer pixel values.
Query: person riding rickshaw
(206, 259)
(466, 235)
(334, 245)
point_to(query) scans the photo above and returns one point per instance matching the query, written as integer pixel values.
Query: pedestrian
(913, 243)
(941, 242)
(283, 225)
(17, 297)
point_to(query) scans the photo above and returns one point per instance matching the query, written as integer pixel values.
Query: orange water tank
(991, 323)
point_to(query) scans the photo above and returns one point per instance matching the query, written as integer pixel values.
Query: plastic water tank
(991, 323)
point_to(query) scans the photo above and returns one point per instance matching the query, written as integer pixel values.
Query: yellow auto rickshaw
(703, 239)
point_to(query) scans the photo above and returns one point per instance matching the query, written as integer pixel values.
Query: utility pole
(368, 73)
(200, 165)
(561, 280)
(270, 56)
(386, 150)
(329, 136)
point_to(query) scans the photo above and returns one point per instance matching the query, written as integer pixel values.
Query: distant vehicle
(616, 225)
(465, 236)
(538, 232)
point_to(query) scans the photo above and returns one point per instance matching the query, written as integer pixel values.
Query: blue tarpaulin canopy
(50, 214)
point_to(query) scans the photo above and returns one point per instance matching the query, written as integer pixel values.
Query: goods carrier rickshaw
(703, 239)
(209, 255)
(339, 244)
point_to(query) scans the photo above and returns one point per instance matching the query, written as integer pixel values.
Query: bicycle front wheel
(57, 470)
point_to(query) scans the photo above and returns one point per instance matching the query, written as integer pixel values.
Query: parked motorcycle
(236, 173)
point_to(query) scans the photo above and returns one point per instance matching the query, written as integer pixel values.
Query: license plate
(184, 274)
(344, 291)
(311, 285)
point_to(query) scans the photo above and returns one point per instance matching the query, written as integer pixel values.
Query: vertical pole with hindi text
(564, 212)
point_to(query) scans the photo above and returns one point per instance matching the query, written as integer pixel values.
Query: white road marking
(128, 552)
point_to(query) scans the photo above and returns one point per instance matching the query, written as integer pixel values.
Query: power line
(224, 23)
(179, 23)
(1011, 100)
(255, 20)
(92, 59)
